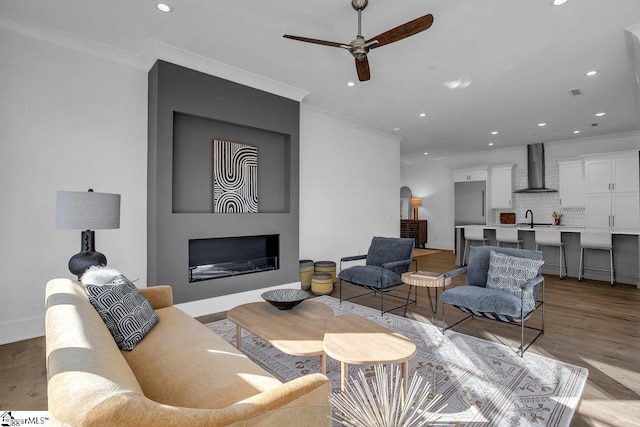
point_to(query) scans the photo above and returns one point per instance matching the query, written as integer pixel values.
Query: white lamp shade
(87, 210)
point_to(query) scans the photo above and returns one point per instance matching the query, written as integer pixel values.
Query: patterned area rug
(481, 383)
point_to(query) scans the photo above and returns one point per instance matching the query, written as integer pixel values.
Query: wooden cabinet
(416, 229)
(572, 186)
(612, 191)
(502, 178)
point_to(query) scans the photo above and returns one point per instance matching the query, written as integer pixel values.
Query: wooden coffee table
(298, 332)
(352, 339)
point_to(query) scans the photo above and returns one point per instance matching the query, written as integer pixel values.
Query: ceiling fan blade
(362, 67)
(403, 31)
(316, 41)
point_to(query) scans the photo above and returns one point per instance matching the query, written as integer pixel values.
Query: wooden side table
(427, 279)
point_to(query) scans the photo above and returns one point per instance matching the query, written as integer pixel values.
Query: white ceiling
(521, 58)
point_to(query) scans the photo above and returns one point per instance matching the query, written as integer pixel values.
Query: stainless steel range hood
(535, 170)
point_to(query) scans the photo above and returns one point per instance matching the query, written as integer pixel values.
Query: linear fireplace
(220, 257)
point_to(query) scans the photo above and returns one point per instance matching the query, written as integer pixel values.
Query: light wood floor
(588, 323)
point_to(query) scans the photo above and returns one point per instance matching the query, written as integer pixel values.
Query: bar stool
(508, 235)
(598, 241)
(473, 234)
(552, 238)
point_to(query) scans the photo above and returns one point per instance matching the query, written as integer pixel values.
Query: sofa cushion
(389, 249)
(126, 313)
(193, 367)
(371, 276)
(508, 273)
(493, 303)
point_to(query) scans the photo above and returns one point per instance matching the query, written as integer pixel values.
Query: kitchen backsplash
(541, 204)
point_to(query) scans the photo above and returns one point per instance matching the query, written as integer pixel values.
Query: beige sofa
(180, 374)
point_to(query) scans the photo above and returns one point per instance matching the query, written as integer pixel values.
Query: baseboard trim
(20, 330)
(208, 306)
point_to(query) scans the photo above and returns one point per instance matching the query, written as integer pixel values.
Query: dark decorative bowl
(285, 299)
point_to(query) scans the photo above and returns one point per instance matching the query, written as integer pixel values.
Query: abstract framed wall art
(235, 177)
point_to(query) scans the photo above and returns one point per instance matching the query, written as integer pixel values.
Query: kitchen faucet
(526, 215)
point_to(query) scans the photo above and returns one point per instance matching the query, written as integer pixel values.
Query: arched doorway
(405, 205)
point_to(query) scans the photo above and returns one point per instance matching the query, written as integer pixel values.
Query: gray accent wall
(187, 109)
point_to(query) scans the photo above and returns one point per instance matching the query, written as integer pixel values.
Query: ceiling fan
(360, 47)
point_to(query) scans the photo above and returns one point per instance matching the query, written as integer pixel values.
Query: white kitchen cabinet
(612, 174)
(470, 175)
(572, 183)
(502, 179)
(598, 210)
(612, 191)
(624, 211)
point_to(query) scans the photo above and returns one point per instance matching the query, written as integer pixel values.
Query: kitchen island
(626, 253)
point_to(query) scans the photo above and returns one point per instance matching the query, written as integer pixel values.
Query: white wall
(68, 121)
(349, 186)
(430, 178)
(73, 118)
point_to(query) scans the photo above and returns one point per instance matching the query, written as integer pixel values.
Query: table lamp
(88, 211)
(415, 203)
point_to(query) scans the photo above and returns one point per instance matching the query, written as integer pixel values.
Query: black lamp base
(80, 262)
(87, 257)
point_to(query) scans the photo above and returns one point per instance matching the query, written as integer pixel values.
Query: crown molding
(153, 51)
(64, 39)
(320, 114)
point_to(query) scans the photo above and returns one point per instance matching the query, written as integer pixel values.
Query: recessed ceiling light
(542, 124)
(457, 84)
(558, 2)
(600, 114)
(490, 144)
(351, 84)
(426, 154)
(591, 73)
(396, 129)
(163, 7)
(423, 114)
(495, 132)
(576, 131)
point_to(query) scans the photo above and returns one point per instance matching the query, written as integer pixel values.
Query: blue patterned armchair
(503, 284)
(386, 260)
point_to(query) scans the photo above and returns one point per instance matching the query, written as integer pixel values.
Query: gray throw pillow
(124, 310)
(507, 273)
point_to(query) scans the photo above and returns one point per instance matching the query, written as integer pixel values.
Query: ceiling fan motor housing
(359, 49)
